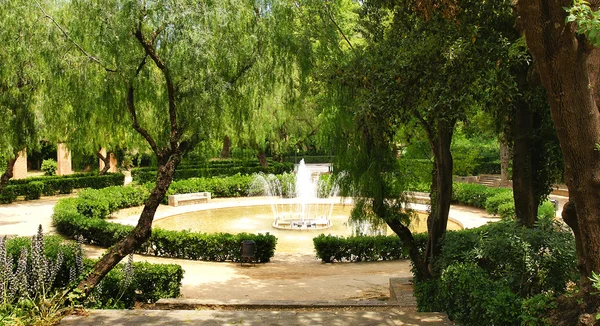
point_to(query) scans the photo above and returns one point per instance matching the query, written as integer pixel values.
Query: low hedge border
(142, 176)
(34, 188)
(331, 248)
(496, 201)
(70, 220)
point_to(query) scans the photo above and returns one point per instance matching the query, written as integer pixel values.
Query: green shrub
(493, 202)
(183, 172)
(8, 194)
(331, 248)
(33, 190)
(64, 184)
(506, 211)
(470, 297)
(487, 272)
(49, 167)
(471, 194)
(546, 210)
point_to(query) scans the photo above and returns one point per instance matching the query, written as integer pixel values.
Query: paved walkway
(254, 317)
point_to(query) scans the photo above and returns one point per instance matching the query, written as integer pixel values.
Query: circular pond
(259, 219)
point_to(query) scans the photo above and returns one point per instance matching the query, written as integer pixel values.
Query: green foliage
(8, 194)
(182, 173)
(331, 248)
(535, 309)
(506, 210)
(99, 203)
(492, 274)
(472, 194)
(492, 203)
(33, 190)
(49, 167)
(231, 186)
(30, 187)
(470, 297)
(474, 156)
(587, 20)
(123, 286)
(162, 243)
(546, 210)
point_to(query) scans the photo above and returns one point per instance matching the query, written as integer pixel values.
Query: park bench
(189, 199)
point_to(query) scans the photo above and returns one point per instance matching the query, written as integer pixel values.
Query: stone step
(256, 317)
(191, 304)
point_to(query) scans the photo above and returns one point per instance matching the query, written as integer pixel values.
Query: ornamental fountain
(300, 201)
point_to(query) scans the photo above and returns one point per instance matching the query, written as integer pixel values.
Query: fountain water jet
(300, 201)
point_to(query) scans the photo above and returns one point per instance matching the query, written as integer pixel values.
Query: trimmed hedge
(84, 216)
(331, 248)
(144, 175)
(33, 188)
(496, 201)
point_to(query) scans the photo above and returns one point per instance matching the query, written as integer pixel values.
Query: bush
(62, 184)
(506, 211)
(145, 175)
(49, 167)
(546, 210)
(33, 190)
(488, 272)
(470, 297)
(331, 248)
(471, 194)
(493, 202)
(8, 194)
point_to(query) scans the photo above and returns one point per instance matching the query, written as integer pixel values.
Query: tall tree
(423, 64)
(174, 67)
(20, 81)
(568, 65)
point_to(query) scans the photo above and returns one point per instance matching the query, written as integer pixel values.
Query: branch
(338, 27)
(151, 52)
(79, 47)
(133, 112)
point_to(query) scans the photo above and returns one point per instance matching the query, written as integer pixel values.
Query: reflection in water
(258, 219)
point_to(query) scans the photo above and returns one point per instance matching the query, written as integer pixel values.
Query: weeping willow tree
(20, 81)
(172, 71)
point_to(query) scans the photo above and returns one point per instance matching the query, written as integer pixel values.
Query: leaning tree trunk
(106, 160)
(441, 188)
(524, 167)
(142, 231)
(562, 57)
(8, 174)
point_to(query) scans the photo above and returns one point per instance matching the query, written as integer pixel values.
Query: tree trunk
(524, 167)
(106, 160)
(562, 57)
(142, 231)
(441, 189)
(226, 150)
(262, 158)
(504, 159)
(9, 171)
(423, 272)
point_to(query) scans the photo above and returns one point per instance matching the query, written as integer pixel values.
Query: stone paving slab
(254, 317)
